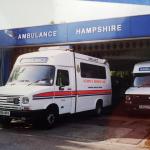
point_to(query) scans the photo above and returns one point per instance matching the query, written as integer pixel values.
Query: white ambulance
(138, 96)
(55, 81)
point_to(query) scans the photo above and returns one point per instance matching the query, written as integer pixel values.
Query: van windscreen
(141, 80)
(33, 74)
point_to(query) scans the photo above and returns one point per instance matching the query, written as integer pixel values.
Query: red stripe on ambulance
(70, 93)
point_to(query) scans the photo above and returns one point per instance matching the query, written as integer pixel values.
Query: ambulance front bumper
(28, 114)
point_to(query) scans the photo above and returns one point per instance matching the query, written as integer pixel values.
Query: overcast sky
(23, 13)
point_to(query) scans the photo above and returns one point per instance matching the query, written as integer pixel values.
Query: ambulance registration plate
(4, 113)
(144, 106)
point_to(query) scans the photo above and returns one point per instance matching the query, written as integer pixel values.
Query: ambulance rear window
(92, 71)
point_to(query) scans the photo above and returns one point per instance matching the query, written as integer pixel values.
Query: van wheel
(50, 118)
(98, 110)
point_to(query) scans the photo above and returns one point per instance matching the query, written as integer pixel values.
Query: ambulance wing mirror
(51, 81)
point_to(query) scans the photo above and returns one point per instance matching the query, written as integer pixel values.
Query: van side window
(92, 71)
(62, 78)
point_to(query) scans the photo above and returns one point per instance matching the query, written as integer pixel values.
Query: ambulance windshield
(141, 80)
(33, 74)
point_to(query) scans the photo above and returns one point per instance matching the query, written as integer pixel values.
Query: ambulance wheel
(51, 117)
(98, 110)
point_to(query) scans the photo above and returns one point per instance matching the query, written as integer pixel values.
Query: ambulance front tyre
(51, 117)
(98, 110)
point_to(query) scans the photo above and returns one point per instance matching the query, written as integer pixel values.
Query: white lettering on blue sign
(37, 35)
(99, 29)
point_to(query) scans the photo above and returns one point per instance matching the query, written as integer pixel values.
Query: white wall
(23, 13)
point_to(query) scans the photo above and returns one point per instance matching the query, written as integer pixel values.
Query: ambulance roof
(142, 67)
(55, 57)
(52, 57)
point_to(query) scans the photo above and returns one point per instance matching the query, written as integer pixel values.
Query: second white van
(138, 96)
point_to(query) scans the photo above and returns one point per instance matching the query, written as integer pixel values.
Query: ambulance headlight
(25, 100)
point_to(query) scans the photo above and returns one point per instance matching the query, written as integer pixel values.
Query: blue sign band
(138, 2)
(94, 30)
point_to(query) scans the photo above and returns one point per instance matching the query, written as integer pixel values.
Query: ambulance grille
(7, 102)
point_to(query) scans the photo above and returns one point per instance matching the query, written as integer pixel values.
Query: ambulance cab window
(92, 71)
(62, 78)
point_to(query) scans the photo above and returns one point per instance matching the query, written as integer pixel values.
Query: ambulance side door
(63, 90)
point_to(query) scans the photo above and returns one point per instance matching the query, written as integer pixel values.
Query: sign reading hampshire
(99, 29)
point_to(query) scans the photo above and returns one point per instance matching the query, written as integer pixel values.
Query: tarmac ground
(113, 131)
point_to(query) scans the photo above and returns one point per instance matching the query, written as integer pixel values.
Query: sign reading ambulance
(38, 35)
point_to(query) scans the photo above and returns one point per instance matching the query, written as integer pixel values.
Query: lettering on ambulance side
(94, 81)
